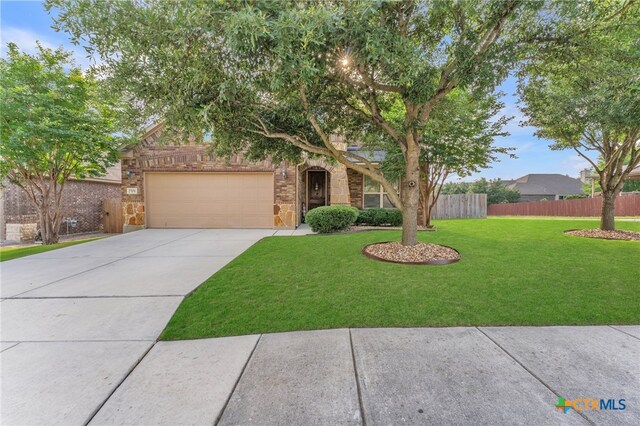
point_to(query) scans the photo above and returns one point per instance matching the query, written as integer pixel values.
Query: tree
(277, 78)
(51, 129)
(496, 191)
(456, 188)
(457, 139)
(585, 96)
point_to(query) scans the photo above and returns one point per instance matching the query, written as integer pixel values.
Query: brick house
(81, 205)
(166, 186)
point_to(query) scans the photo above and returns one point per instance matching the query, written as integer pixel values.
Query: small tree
(585, 96)
(51, 129)
(458, 139)
(497, 192)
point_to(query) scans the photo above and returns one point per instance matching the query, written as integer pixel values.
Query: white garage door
(209, 200)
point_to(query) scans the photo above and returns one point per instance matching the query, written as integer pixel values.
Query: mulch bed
(420, 254)
(606, 235)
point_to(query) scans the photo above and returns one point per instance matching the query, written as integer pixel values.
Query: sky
(24, 22)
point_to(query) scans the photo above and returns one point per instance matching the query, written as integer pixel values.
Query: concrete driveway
(76, 321)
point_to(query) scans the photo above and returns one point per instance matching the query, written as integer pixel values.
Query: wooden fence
(626, 205)
(112, 215)
(460, 206)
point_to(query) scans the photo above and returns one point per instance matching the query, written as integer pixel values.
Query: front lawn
(11, 253)
(512, 272)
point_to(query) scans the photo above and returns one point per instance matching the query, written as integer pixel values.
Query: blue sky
(24, 22)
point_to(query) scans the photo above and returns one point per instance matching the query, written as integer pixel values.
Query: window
(374, 195)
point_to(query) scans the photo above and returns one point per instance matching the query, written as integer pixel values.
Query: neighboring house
(81, 206)
(184, 187)
(536, 187)
(635, 174)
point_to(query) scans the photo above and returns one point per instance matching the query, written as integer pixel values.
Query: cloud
(575, 163)
(26, 40)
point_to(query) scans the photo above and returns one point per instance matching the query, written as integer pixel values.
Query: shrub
(575, 197)
(380, 217)
(331, 218)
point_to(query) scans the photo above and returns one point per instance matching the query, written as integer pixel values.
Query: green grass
(512, 272)
(11, 253)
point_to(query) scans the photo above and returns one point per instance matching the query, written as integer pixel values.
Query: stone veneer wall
(284, 207)
(149, 156)
(133, 213)
(21, 231)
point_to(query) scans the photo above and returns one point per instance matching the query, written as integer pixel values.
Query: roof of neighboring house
(113, 175)
(635, 174)
(545, 184)
(374, 155)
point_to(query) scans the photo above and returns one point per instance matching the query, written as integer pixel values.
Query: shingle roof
(374, 155)
(546, 184)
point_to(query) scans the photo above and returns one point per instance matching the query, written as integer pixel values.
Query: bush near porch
(512, 272)
(329, 219)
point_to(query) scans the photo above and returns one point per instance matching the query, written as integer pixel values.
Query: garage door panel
(209, 200)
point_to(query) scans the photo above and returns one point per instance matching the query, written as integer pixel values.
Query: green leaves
(584, 93)
(236, 66)
(51, 127)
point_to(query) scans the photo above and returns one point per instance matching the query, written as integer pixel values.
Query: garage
(209, 200)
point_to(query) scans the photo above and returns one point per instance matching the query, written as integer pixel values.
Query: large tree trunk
(607, 217)
(411, 195)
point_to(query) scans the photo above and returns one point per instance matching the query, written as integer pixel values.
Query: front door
(316, 189)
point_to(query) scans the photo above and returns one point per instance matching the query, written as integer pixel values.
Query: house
(536, 187)
(185, 187)
(81, 206)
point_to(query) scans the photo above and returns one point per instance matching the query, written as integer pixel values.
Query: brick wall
(355, 187)
(80, 199)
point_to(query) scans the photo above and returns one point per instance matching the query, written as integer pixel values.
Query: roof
(373, 155)
(546, 184)
(113, 175)
(635, 174)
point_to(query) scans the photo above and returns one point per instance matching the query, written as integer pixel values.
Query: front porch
(322, 184)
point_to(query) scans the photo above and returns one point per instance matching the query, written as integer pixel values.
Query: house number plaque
(132, 191)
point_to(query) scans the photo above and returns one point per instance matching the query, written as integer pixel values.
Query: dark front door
(317, 189)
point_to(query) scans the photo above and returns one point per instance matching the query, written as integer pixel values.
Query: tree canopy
(497, 192)
(52, 127)
(584, 95)
(275, 78)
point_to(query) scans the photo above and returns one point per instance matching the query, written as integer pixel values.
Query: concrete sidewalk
(493, 375)
(485, 375)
